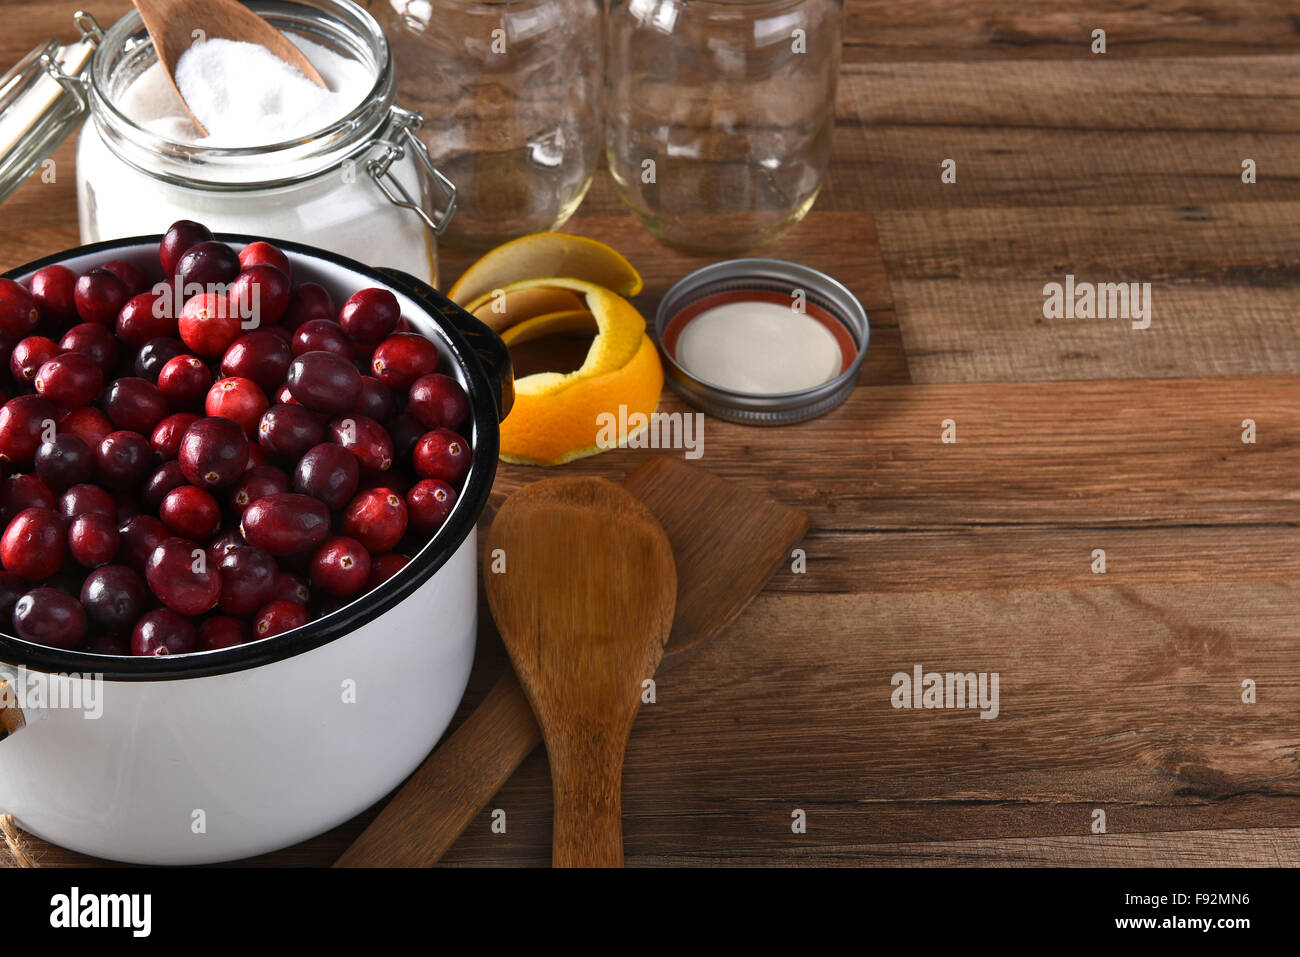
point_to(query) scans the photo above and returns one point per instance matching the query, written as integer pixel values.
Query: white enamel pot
(225, 754)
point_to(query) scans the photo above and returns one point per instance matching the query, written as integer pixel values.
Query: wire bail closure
(404, 123)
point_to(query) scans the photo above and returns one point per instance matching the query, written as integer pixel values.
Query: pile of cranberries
(215, 458)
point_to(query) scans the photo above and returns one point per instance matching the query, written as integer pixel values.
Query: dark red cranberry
(141, 534)
(190, 512)
(401, 359)
(180, 577)
(100, 296)
(261, 356)
(87, 423)
(64, 461)
(258, 253)
(85, 499)
(165, 478)
(328, 472)
(223, 545)
(239, 400)
(54, 289)
(132, 276)
(114, 597)
(428, 504)
(50, 617)
(24, 420)
(340, 567)
(405, 430)
(248, 580)
(439, 402)
(376, 400)
(35, 544)
(214, 453)
(18, 313)
(135, 404)
(184, 381)
(254, 484)
(321, 335)
(308, 301)
(29, 355)
(167, 434)
(370, 315)
(277, 618)
(144, 317)
(180, 238)
(222, 631)
(207, 264)
(93, 539)
(283, 334)
(155, 354)
(324, 382)
(442, 454)
(288, 431)
(164, 632)
(260, 296)
(366, 439)
(291, 587)
(98, 342)
(70, 380)
(286, 524)
(384, 567)
(208, 325)
(377, 519)
(256, 457)
(127, 504)
(123, 459)
(24, 491)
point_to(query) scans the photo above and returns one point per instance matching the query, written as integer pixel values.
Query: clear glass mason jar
(511, 92)
(362, 187)
(719, 114)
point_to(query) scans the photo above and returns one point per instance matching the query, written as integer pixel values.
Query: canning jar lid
(806, 290)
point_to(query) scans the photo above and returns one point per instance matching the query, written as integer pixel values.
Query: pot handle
(487, 345)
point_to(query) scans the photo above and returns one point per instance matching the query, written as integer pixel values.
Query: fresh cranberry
(64, 461)
(93, 539)
(190, 512)
(213, 453)
(442, 454)
(321, 335)
(70, 380)
(260, 296)
(184, 381)
(248, 580)
(261, 356)
(54, 289)
(254, 484)
(164, 478)
(405, 430)
(340, 567)
(288, 431)
(100, 296)
(439, 402)
(384, 567)
(281, 333)
(429, 503)
(208, 264)
(167, 434)
(29, 355)
(141, 534)
(279, 617)
(239, 400)
(98, 342)
(328, 472)
(24, 491)
(163, 632)
(286, 524)
(86, 499)
(370, 315)
(114, 597)
(18, 313)
(180, 238)
(308, 301)
(23, 422)
(376, 400)
(155, 354)
(132, 276)
(377, 519)
(324, 382)
(135, 404)
(144, 317)
(366, 439)
(259, 253)
(284, 397)
(401, 359)
(50, 617)
(87, 423)
(123, 459)
(291, 587)
(35, 544)
(179, 575)
(221, 546)
(208, 325)
(222, 631)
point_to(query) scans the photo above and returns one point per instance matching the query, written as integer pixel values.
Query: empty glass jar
(719, 114)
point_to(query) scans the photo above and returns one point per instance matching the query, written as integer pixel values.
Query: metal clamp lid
(42, 99)
(403, 125)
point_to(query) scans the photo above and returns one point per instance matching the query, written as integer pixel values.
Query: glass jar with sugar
(340, 169)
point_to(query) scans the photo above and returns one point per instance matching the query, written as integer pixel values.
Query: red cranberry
(248, 580)
(286, 524)
(207, 264)
(239, 400)
(366, 439)
(163, 632)
(321, 335)
(401, 359)
(376, 400)
(384, 567)
(64, 461)
(222, 631)
(100, 296)
(35, 544)
(131, 275)
(155, 354)
(370, 315)
(429, 503)
(93, 539)
(213, 453)
(51, 617)
(308, 301)
(167, 434)
(442, 454)
(144, 317)
(135, 404)
(284, 397)
(18, 313)
(254, 484)
(179, 575)
(123, 459)
(86, 499)
(328, 472)
(23, 421)
(190, 512)
(29, 355)
(324, 382)
(87, 423)
(279, 617)
(291, 587)
(340, 567)
(70, 380)
(258, 253)
(261, 356)
(24, 491)
(377, 519)
(98, 342)
(260, 296)
(184, 381)
(165, 478)
(439, 402)
(114, 597)
(288, 431)
(180, 238)
(223, 545)
(208, 326)
(54, 289)
(140, 534)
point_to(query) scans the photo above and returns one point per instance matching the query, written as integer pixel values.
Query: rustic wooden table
(1120, 691)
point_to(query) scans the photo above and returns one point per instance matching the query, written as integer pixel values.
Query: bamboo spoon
(584, 607)
(172, 25)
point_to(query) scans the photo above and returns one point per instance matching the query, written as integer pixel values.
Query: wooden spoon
(172, 25)
(584, 606)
